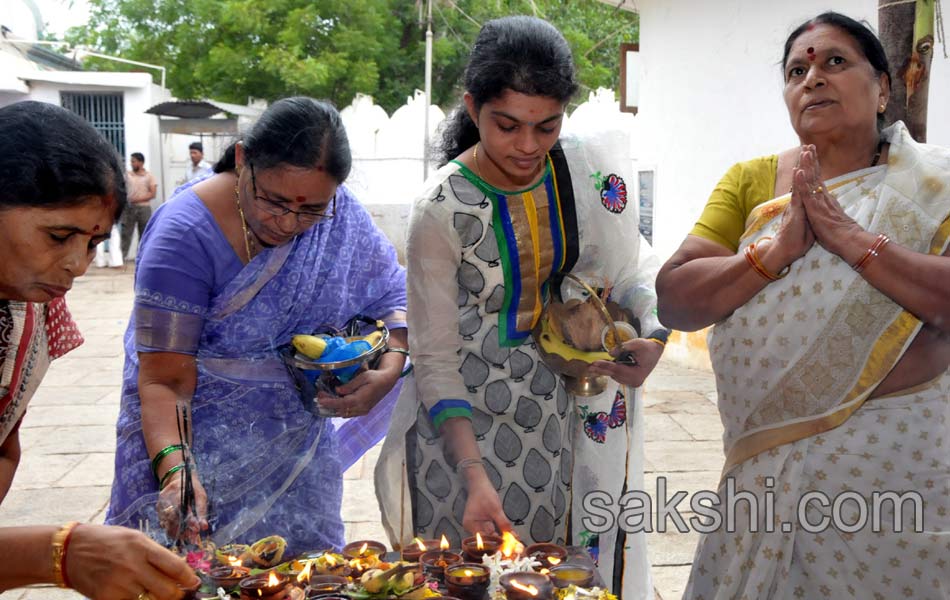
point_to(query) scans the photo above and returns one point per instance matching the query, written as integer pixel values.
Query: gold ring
(144, 596)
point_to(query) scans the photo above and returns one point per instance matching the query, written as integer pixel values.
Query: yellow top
(742, 188)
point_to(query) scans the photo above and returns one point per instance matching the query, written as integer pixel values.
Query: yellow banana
(374, 338)
(310, 346)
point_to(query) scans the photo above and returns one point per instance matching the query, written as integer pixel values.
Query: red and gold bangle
(872, 252)
(753, 259)
(58, 549)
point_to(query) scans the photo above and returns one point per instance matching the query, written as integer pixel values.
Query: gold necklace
(475, 158)
(247, 245)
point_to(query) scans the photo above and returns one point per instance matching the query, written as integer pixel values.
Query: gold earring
(882, 108)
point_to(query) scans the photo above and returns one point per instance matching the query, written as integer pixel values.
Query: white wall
(711, 94)
(141, 129)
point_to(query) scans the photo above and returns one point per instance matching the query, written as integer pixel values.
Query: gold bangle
(753, 259)
(660, 342)
(58, 550)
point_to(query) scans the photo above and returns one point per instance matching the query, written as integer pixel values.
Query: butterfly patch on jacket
(597, 423)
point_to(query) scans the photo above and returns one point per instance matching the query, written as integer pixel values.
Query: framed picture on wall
(629, 77)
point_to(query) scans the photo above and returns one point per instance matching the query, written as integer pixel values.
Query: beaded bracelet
(169, 473)
(58, 551)
(753, 259)
(872, 252)
(162, 454)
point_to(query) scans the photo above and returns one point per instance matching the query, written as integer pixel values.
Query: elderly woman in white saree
(832, 313)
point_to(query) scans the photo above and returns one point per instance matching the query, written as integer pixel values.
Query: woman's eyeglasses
(305, 217)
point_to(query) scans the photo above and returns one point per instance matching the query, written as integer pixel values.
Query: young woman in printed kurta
(490, 436)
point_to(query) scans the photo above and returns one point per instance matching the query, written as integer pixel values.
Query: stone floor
(68, 439)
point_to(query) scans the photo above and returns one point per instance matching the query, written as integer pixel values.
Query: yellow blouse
(742, 188)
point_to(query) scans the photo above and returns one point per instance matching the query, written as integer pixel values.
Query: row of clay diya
(360, 572)
(466, 576)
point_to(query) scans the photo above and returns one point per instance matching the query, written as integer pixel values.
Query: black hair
(138, 156)
(859, 31)
(300, 132)
(520, 53)
(196, 146)
(51, 157)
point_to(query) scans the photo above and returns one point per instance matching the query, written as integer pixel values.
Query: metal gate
(105, 112)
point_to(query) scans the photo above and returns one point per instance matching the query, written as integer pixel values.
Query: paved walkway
(68, 439)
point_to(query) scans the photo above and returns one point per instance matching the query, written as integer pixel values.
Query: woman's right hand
(795, 236)
(105, 562)
(169, 501)
(483, 510)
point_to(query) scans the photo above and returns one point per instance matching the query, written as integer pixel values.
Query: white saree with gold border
(794, 368)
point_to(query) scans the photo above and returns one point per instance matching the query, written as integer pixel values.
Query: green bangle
(162, 454)
(405, 352)
(169, 473)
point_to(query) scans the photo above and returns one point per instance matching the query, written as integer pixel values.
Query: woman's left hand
(647, 353)
(362, 393)
(831, 225)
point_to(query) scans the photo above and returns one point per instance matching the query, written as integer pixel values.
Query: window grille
(105, 112)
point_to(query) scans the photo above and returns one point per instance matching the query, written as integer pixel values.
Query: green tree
(235, 49)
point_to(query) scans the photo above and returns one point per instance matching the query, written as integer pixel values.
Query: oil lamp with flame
(412, 552)
(270, 586)
(363, 549)
(467, 581)
(434, 562)
(478, 546)
(526, 586)
(510, 546)
(549, 555)
(230, 575)
(363, 555)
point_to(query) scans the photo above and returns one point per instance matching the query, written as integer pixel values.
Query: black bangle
(660, 335)
(404, 352)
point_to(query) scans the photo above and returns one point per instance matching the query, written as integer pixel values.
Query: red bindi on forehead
(811, 53)
(301, 199)
(95, 228)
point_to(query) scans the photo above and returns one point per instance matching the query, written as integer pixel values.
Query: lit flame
(444, 544)
(554, 560)
(330, 560)
(479, 544)
(468, 572)
(524, 588)
(363, 549)
(234, 561)
(272, 580)
(544, 571)
(510, 544)
(304, 575)
(420, 543)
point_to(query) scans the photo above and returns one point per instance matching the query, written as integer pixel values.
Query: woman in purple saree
(206, 329)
